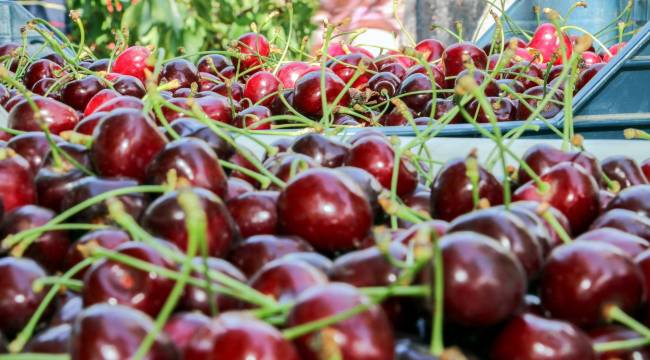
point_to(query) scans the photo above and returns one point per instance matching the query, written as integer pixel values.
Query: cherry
(420, 85)
(121, 102)
(116, 283)
(624, 170)
(368, 184)
(491, 89)
(532, 337)
(346, 65)
(442, 107)
(509, 231)
(18, 300)
(256, 251)
(50, 248)
(633, 198)
(236, 187)
(456, 55)
(121, 327)
(645, 167)
(57, 116)
(307, 98)
(624, 220)
(41, 69)
(106, 238)
(16, 181)
(207, 81)
(528, 73)
(571, 190)
(534, 96)
(254, 118)
(630, 244)
(285, 279)
(288, 73)
(100, 98)
(255, 213)
(337, 48)
(451, 191)
(252, 49)
(44, 86)
(5, 95)
(504, 109)
(184, 127)
(587, 74)
(129, 86)
(395, 68)
(532, 207)
(133, 61)
(364, 336)
(165, 218)
(198, 299)
(217, 108)
(325, 151)
(13, 101)
(237, 336)
(609, 333)
(431, 48)
(33, 147)
(385, 84)
(77, 93)
(180, 70)
(286, 166)
(223, 149)
(590, 58)
(541, 157)
(546, 40)
(210, 63)
(233, 91)
(194, 162)
(613, 50)
(376, 156)
(53, 340)
(581, 279)
(10, 49)
(396, 118)
(97, 65)
(181, 327)
(124, 142)
(238, 159)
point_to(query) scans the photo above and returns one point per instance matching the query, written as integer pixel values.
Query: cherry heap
(136, 226)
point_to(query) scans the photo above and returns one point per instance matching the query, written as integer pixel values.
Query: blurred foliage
(190, 26)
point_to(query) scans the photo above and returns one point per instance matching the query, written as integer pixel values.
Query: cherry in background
(455, 56)
(133, 61)
(327, 152)
(547, 41)
(634, 199)
(41, 69)
(261, 88)
(289, 73)
(17, 296)
(285, 279)
(77, 93)
(255, 213)
(252, 48)
(180, 70)
(202, 300)
(345, 66)
(307, 93)
(624, 220)
(253, 253)
(16, 181)
(432, 49)
(181, 327)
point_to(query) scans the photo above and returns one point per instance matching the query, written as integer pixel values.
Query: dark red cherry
(533, 207)
(124, 143)
(531, 337)
(180, 70)
(376, 156)
(456, 55)
(233, 91)
(509, 231)
(213, 63)
(416, 91)
(185, 126)
(504, 109)
(255, 213)
(58, 116)
(491, 89)
(18, 300)
(261, 88)
(432, 49)
(289, 73)
(530, 74)
(254, 252)
(254, 118)
(581, 279)
(129, 86)
(624, 220)
(16, 181)
(386, 84)
(56, 58)
(194, 162)
(610, 333)
(99, 99)
(5, 95)
(181, 327)
(571, 190)
(13, 101)
(165, 218)
(498, 280)
(121, 102)
(634, 198)
(307, 98)
(624, 170)
(534, 96)
(451, 191)
(77, 93)
(395, 68)
(252, 50)
(240, 160)
(236, 187)
(45, 86)
(287, 165)
(442, 107)
(345, 66)
(121, 327)
(199, 299)
(325, 151)
(133, 61)
(106, 238)
(33, 147)
(630, 244)
(541, 157)
(207, 81)
(368, 184)
(113, 282)
(68, 306)
(53, 340)
(397, 118)
(314, 259)
(238, 336)
(50, 248)
(41, 69)
(285, 279)
(221, 147)
(587, 74)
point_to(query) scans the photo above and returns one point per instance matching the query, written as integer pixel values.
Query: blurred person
(54, 11)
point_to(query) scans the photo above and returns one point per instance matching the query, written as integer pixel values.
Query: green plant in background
(191, 26)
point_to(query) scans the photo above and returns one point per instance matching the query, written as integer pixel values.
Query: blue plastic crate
(13, 17)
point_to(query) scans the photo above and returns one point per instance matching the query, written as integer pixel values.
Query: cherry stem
(473, 174)
(263, 180)
(35, 356)
(545, 212)
(437, 345)
(620, 345)
(72, 284)
(636, 134)
(614, 313)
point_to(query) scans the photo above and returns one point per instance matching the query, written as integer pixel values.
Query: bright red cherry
(261, 88)
(456, 55)
(432, 49)
(253, 48)
(290, 72)
(133, 61)
(99, 99)
(613, 50)
(255, 213)
(546, 40)
(345, 67)
(58, 116)
(16, 181)
(307, 93)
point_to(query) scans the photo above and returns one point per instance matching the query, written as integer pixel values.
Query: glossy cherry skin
(440, 107)
(221, 147)
(252, 49)
(181, 327)
(325, 151)
(634, 199)
(251, 254)
(254, 118)
(491, 89)
(288, 165)
(33, 147)
(194, 162)
(261, 87)
(326, 208)
(624, 170)
(532, 207)
(58, 116)
(129, 86)
(124, 143)
(16, 181)
(386, 84)
(431, 48)
(307, 93)
(210, 63)
(133, 61)
(541, 157)
(504, 109)
(289, 73)
(100, 98)
(180, 70)
(255, 213)
(547, 41)
(41, 69)
(109, 281)
(453, 58)
(630, 244)
(69, 305)
(77, 93)
(366, 336)
(571, 190)
(121, 102)
(534, 96)
(118, 330)
(397, 118)
(368, 184)
(238, 336)
(529, 74)
(285, 279)
(346, 65)
(43, 86)
(509, 231)
(234, 91)
(531, 337)
(48, 249)
(581, 279)
(376, 156)
(199, 299)
(451, 191)
(18, 300)
(624, 220)
(53, 340)
(416, 83)
(165, 218)
(106, 238)
(609, 333)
